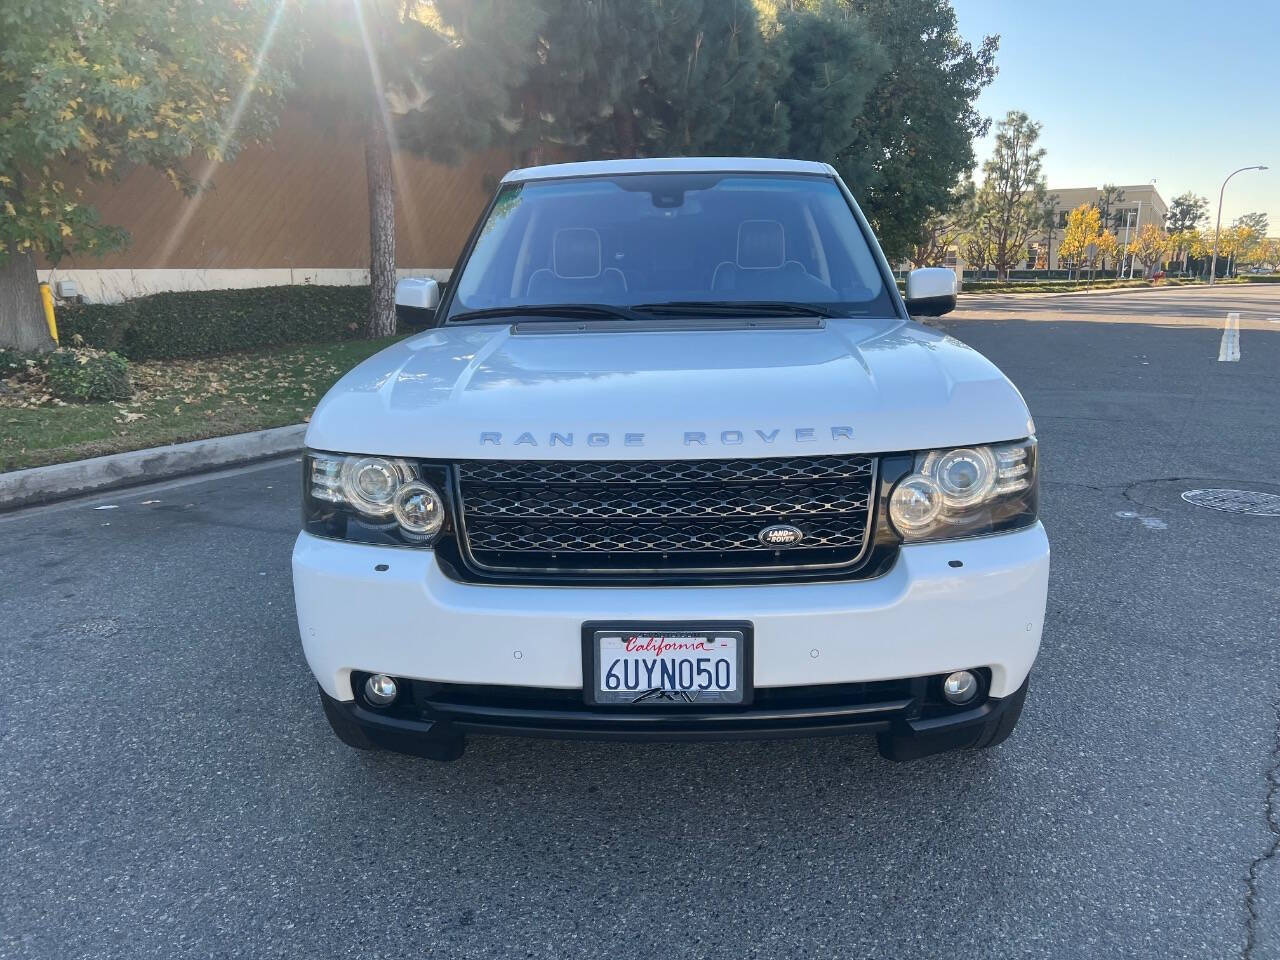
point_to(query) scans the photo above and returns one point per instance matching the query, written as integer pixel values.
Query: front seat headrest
(762, 245)
(575, 253)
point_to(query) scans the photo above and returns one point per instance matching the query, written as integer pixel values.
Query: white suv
(672, 462)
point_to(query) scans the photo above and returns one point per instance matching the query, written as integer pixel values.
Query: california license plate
(668, 666)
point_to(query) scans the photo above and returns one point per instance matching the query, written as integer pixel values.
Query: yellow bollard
(46, 297)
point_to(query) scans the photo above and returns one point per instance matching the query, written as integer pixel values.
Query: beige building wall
(1138, 206)
(294, 209)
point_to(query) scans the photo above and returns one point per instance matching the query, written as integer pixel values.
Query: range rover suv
(670, 460)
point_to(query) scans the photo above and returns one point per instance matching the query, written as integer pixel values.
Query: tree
(463, 80)
(1047, 218)
(360, 56)
(1083, 230)
(582, 77)
(90, 89)
(914, 138)
(978, 242)
(1013, 193)
(1108, 196)
(349, 43)
(824, 65)
(1269, 254)
(1257, 222)
(701, 93)
(1186, 212)
(1253, 251)
(1199, 246)
(882, 89)
(616, 78)
(1108, 245)
(1150, 248)
(943, 231)
(1234, 244)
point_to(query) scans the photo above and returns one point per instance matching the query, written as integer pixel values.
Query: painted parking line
(1229, 348)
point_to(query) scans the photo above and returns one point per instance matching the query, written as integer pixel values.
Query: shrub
(87, 375)
(11, 363)
(201, 323)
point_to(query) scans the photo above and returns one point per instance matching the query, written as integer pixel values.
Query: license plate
(668, 666)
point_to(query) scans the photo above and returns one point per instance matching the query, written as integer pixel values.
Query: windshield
(692, 239)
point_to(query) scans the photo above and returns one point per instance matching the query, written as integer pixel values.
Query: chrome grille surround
(672, 517)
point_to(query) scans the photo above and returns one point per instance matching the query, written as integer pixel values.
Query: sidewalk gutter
(61, 481)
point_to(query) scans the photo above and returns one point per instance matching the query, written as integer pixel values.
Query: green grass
(176, 401)
(1050, 286)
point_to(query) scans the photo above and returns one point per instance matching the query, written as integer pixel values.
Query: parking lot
(170, 789)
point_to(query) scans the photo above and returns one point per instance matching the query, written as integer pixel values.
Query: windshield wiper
(734, 308)
(550, 311)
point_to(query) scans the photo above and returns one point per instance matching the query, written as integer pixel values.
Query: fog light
(960, 687)
(380, 689)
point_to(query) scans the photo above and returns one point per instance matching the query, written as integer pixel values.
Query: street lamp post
(1213, 263)
(1137, 227)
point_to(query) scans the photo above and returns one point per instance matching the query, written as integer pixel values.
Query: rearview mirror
(931, 291)
(416, 301)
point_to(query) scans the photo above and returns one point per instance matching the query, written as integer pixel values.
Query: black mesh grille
(669, 515)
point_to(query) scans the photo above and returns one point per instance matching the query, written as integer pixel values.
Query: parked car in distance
(671, 460)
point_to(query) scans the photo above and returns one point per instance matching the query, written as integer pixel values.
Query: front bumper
(943, 606)
(905, 715)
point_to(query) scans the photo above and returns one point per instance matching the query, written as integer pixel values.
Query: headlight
(372, 499)
(967, 491)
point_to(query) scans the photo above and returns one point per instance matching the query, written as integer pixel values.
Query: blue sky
(1178, 91)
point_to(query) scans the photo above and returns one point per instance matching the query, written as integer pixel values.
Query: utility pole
(1213, 263)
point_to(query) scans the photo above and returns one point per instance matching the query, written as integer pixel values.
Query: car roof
(597, 168)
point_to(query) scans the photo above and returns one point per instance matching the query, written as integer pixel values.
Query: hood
(844, 386)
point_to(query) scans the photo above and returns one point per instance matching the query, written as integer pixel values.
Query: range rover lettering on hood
(692, 438)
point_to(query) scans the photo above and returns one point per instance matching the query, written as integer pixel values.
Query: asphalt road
(1257, 305)
(168, 787)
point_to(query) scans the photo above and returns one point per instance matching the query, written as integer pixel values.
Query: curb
(61, 481)
(1065, 293)
(1095, 293)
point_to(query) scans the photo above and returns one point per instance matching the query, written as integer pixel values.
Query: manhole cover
(1252, 502)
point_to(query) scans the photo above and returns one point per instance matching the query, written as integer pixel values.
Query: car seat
(577, 273)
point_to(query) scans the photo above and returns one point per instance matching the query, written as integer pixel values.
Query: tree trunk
(382, 229)
(624, 122)
(22, 323)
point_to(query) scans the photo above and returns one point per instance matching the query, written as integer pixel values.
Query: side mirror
(931, 291)
(416, 301)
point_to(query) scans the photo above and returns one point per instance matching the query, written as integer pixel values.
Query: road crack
(1271, 809)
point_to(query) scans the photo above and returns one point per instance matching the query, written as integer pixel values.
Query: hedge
(87, 375)
(1049, 286)
(203, 323)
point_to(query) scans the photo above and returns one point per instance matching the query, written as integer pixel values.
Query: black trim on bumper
(907, 720)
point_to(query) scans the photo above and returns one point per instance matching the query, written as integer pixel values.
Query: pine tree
(914, 138)
(827, 65)
(702, 94)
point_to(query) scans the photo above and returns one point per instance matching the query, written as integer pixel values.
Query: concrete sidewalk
(61, 481)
